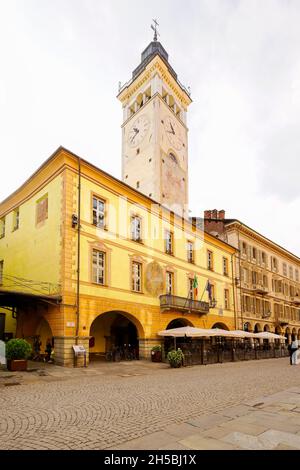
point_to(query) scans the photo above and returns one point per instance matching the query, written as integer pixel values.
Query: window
(136, 276)
(265, 281)
(284, 269)
(136, 228)
(2, 227)
(291, 272)
(169, 282)
(168, 242)
(254, 253)
(16, 219)
(99, 267)
(1, 272)
(274, 263)
(297, 275)
(225, 266)
(98, 212)
(42, 209)
(264, 258)
(244, 248)
(226, 299)
(210, 260)
(190, 252)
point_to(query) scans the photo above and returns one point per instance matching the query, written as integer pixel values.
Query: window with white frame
(136, 228)
(190, 252)
(98, 212)
(210, 260)
(284, 269)
(291, 272)
(169, 282)
(99, 259)
(225, 266)
(168, 242)
(1, 272)
(136, 276)
(226, 299)
(297, 275)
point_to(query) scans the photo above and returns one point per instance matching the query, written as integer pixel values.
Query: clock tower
(154, 131)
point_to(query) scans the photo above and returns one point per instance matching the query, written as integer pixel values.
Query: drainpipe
(233, 287)
(78, 254)
(240, 272)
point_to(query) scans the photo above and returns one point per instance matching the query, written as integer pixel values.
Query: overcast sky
(61, 61)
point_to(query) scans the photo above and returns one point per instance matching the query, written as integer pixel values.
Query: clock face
(138, 131)
(173, 132)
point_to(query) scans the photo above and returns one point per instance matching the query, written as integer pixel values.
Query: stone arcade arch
(220, 325)
(44, 331)
(115, 330)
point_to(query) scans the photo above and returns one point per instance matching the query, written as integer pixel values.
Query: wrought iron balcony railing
(173, 302)
(260, 289)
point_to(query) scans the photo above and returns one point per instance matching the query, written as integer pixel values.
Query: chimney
(207, 214)
(222, 214)
(214, 214)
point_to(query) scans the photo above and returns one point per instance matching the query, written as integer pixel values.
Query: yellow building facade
(134, 279)
(88, 259)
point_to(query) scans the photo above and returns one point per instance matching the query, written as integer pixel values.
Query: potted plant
(156, 355)
(175, 358)
(17, 352)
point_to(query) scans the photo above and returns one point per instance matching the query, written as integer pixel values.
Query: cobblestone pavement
(144, 405)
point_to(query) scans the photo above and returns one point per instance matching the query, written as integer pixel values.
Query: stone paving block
(208, 421)
(274, 437)
(175, 446)
(284, 447)
(247, 428)
(236, 411)
(199, 442)
(246, 441)
(180, 430)
(150, 442)
(217, 432)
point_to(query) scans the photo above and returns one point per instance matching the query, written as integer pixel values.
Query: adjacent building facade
(267, 278)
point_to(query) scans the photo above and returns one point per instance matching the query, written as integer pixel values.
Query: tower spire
(154, 27)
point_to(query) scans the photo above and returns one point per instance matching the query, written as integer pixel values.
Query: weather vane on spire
(154, 27)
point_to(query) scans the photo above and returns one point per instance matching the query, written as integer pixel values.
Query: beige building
(267, 278)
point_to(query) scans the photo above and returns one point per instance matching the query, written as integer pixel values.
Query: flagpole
(203, 291)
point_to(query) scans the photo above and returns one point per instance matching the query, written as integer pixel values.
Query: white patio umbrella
(268, 335)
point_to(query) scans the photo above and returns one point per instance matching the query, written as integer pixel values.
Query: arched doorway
(266, 328)
(287, 334)
(115, 334)
(257, 328)
(178, 323)
(44, 332)
(294, 334)
(221, 326)
(180, 342)
(247, 326)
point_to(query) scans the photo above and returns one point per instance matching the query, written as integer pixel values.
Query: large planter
(16, 364)
(156, 356)
(175, 364)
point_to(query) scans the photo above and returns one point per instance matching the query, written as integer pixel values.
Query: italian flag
(195, 287)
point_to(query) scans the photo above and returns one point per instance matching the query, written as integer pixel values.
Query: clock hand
(136, 130)
(172, 129)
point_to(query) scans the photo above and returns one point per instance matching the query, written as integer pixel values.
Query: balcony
(282, 321)
(260, 289)
(295, 300)
(173, 302)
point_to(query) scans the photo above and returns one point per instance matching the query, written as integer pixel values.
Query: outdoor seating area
(210, 346)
